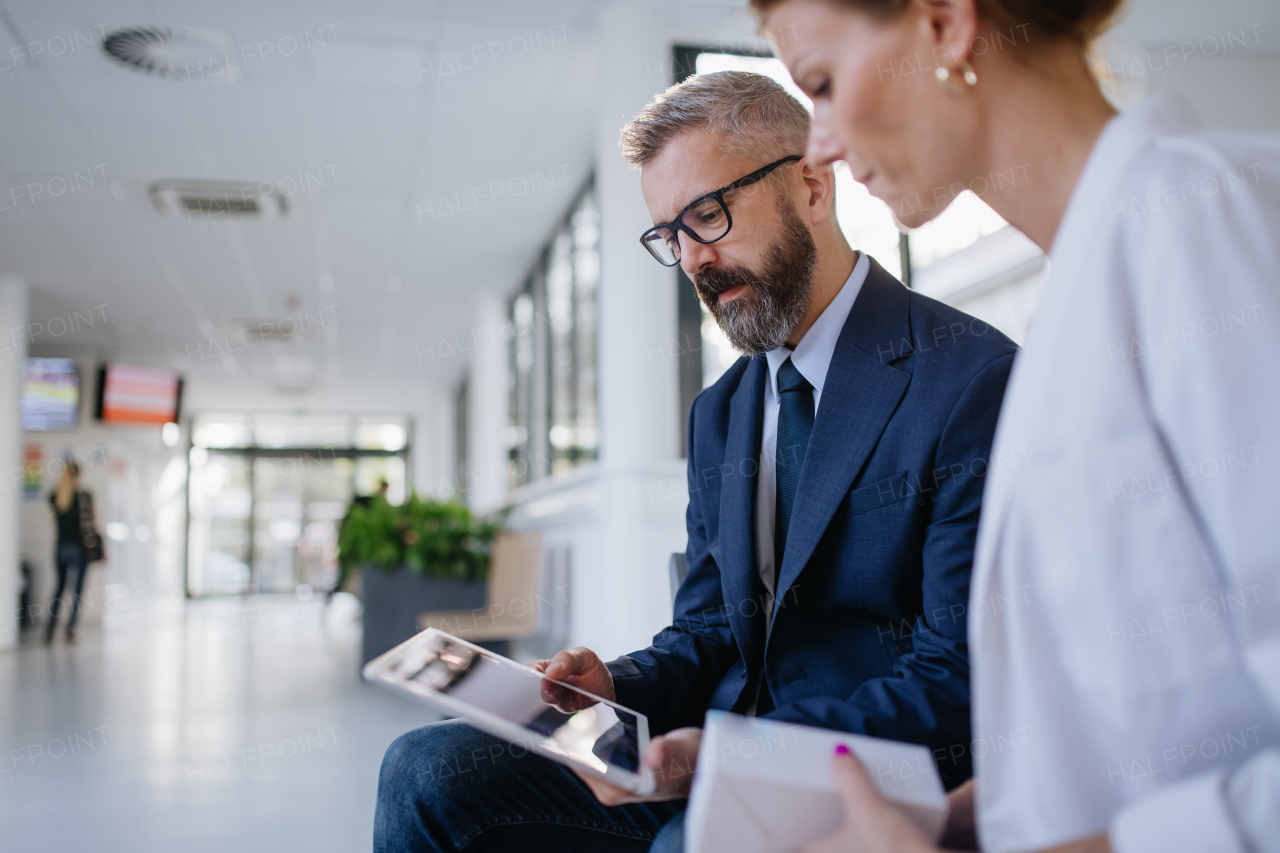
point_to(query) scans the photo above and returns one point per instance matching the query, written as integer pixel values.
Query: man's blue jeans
(449, 787)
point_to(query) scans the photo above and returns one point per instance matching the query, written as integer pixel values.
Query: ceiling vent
(214, 200)
(276, 330)
(174, 53)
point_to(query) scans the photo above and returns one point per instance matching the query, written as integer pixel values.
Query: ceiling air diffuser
(174, 53)
(201, 199)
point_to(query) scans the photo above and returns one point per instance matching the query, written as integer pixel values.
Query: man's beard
(761, 318)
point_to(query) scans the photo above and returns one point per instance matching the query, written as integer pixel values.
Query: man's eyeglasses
(705, 219)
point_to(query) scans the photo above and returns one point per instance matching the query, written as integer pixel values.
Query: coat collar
(740, 580)
(813, 356)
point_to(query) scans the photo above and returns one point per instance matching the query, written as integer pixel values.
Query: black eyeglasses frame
(677, 225)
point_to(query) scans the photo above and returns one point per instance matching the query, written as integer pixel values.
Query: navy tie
(795, 423)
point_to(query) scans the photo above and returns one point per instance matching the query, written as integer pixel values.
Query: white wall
(124, 468)
(1233, 91)
(1229, 69)
(13, 315)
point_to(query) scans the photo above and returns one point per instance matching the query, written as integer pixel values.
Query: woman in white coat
(1124, 619)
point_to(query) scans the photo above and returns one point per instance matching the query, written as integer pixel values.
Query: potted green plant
(417, 556)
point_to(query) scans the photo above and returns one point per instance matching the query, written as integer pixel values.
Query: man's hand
(580, 667)
(671, 757)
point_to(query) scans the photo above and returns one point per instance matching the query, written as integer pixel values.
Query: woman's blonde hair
(68, 484)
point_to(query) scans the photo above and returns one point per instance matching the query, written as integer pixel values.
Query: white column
(639, 391)
(619, 594)
(433, 441)
(487, 405)
(13, 315)
(639, 377)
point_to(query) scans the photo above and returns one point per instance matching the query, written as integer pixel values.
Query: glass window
(381, 435)
(461, 435)
(553, 423)
(971, 258)
(585, 230)
(966, 221)
(520, 399)
(278, 431)
(218, 536)
(291, 431)
(560, 313)
(221, 431)
(718, 355)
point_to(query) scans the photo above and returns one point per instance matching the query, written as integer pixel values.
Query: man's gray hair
(750, 113)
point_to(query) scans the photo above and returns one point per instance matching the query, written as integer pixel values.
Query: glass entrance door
(220, 528)
(299, 502)
(266, 502)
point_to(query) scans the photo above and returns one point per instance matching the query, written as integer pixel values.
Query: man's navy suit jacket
(868, 629)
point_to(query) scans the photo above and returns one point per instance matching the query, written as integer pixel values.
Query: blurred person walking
(77, 545)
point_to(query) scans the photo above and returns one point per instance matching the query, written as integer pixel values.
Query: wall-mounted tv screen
(50, 393)
(132, 394)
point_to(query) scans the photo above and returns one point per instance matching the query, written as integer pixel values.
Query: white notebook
(766, 787)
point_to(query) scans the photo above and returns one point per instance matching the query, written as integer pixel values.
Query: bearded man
(835, 477)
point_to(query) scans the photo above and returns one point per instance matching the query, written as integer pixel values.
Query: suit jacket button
(744, 673)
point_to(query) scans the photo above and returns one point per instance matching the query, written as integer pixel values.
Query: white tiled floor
(198, 726)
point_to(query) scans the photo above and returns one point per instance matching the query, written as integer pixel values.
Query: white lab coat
(1125, 611)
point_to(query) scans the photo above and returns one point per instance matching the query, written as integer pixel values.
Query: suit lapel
(739, 579)
(859, 396)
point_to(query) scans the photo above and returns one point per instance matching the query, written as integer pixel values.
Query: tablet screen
(568, 722)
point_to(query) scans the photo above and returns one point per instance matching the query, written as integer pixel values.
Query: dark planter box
(394, 600)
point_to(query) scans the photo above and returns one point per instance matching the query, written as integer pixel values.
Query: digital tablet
(519, 705)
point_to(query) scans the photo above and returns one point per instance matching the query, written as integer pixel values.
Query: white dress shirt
(1124, 619)
(812, 357)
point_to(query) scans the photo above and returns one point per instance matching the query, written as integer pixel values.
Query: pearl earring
(966, 72)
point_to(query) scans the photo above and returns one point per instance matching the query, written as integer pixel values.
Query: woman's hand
(871, 824)
(962, 831)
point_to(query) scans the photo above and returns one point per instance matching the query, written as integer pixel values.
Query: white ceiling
(379, 109)
(385, 109)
